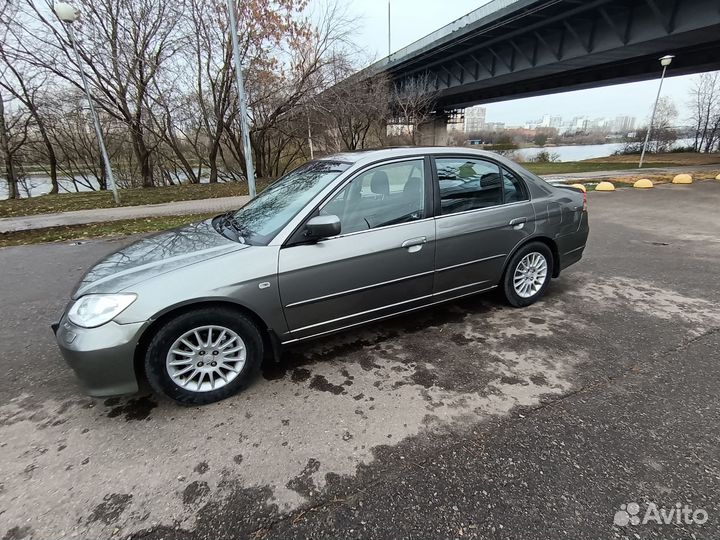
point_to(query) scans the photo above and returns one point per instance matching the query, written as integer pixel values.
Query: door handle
(518, 222)
(414, 242)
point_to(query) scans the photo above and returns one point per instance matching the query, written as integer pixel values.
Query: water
(585, 151)
(40, 185)
(572, 153)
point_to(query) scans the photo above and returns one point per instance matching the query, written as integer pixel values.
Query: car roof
(362, 156)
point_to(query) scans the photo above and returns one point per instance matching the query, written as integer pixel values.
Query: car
(338, 242)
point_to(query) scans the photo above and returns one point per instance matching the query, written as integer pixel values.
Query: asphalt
(470, 420)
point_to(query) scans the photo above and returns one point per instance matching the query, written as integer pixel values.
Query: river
(572, 153)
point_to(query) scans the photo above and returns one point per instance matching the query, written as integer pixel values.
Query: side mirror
(322, 227)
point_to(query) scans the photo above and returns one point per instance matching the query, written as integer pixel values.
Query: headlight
(96, 309)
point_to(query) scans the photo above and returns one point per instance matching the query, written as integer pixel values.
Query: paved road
(471, 420)
(98, 215)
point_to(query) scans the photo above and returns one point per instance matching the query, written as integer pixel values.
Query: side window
(384, 195)
(515, 190)
(468, 184)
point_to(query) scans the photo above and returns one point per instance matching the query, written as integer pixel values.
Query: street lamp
(665, 61)
(68, 14)
(389, 48)
(247, 150)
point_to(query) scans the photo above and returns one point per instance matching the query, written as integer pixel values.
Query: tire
(530, 256)
(216, 352)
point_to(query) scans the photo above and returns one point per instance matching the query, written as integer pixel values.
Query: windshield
(264, 216)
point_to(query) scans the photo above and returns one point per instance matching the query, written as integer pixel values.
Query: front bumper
(102, 357)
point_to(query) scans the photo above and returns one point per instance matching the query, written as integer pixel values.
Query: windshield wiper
(230, 224)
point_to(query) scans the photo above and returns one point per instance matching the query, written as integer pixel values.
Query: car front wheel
(528, 274)
(204, 356)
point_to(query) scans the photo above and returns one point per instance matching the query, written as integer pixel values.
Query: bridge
(520, 48)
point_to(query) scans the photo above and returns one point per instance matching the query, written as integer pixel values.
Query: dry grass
(123, 227)
(65, 202)
(662, 160)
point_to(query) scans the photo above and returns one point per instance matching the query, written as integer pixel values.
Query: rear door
(482, 212)
(382, 262)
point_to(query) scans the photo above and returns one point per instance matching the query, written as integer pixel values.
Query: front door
(484, 211)
(382, 262)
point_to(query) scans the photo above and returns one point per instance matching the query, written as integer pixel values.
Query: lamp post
(68, 14)
(247, 149)
(389, 48)
(665, 61)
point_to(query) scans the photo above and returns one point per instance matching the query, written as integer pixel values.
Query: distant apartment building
(579, 123)
(495, 126)
(474, 119)
(549, 121)
(623, 124)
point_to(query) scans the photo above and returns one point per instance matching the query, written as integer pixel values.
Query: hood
(155, 255)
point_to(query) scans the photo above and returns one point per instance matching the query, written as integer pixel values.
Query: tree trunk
(13, 192)
(143, 156)
(212, 160)
(52, 158)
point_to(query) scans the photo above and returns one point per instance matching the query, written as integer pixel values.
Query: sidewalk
(601, 175)
(80, 217)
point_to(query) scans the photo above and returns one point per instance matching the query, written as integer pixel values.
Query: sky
(412, 20)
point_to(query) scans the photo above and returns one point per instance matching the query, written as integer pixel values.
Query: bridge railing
(480, 13)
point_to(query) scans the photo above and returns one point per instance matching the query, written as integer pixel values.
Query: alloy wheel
(206, 358)
(530, 274)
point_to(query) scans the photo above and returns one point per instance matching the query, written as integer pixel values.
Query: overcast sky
(413, 19)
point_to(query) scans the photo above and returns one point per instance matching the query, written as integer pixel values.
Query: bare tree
(413, 101)
(352, 111)
(664, 134)
(161, 72)
(13, 136)
(705, 106)
(285, 84)
(25, 84)
(123, 44)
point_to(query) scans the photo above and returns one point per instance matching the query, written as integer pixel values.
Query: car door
(382, 261)
(482, 212)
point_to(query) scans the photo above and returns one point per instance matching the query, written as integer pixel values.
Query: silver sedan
(338, 242)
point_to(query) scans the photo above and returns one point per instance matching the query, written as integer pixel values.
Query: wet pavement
(469, 420)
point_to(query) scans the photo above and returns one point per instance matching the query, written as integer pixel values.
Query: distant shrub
(684, 149)
(544, 156)
(501, 147)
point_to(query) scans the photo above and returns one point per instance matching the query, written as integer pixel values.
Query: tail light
(584, 201)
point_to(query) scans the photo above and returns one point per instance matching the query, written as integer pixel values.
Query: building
(474, 119)
(495, 126)
(549, 121)
(624, 124)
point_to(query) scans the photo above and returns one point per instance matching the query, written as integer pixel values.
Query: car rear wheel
(204, 356)
(528, 274)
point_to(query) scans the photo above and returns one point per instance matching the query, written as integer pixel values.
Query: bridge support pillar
(433, 132)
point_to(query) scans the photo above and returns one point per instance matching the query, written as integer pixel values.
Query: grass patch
(65, 202)
(97, 230)
(586, 166)
(677, 159)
